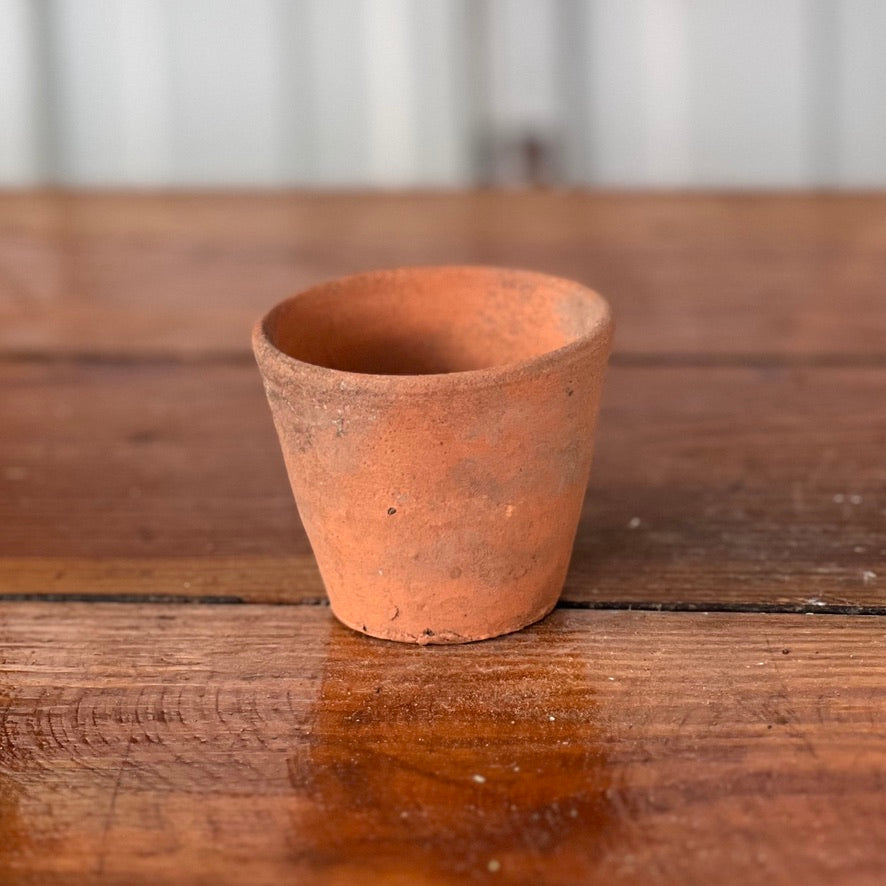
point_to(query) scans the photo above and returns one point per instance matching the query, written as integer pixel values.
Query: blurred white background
(745, 93)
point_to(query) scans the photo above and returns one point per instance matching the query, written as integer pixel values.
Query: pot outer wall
(446, 514)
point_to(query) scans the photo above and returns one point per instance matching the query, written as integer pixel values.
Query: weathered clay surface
(437, 427)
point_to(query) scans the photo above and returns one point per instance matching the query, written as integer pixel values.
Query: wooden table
(707, 704)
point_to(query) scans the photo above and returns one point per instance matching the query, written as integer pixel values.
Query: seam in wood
(818, 608)
(236, 357)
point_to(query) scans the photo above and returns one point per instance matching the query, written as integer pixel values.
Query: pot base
(430, 637)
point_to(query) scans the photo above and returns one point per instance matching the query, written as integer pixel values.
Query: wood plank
(742, 486)
(711, 487)
(185, 744)
(729, 275)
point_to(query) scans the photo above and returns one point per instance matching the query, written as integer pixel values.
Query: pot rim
(279, 365)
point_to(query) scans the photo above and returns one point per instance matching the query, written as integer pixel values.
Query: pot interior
(417, 321)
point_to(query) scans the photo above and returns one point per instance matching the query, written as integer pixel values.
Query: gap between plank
(603, 605)
(243, 358)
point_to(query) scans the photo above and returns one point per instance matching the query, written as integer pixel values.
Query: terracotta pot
(437, 427)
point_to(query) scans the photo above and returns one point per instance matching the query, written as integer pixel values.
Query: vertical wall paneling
(822, 63)
(473, 76)
(145, 107)
(665, 67)
(638, 71)
(337, 79)
(20, 130)
(297, 103)
(110, 90)
(415, 95)
(578, 157)
(90, 93)
(747, 110)
(523, 63)
(227, 98)
(443, 92)
(862, 92)
(396, 93)
(524, 80)
(616, 75)
(391, 91)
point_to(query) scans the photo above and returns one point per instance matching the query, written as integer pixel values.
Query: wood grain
(724, 276)
(192, 740)
(712, 487)
(220, 744)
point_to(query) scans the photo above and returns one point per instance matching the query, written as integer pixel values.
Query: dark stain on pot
(438, 760)
(144, 436)
(392, 511)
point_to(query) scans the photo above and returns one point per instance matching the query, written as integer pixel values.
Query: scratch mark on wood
(112, 807)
